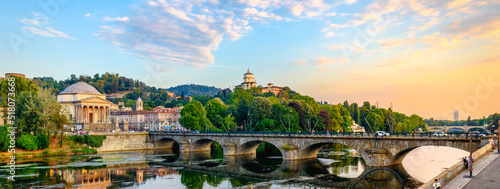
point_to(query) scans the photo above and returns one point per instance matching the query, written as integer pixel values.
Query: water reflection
(160, 168)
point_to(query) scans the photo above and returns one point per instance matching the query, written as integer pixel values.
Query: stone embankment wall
(450, 173)
(125, 141)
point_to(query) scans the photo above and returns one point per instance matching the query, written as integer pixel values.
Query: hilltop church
(249, 82)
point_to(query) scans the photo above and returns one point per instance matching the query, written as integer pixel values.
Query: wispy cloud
(39, 26)
(120, 19)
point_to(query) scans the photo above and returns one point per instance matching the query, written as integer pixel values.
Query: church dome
(80, 88)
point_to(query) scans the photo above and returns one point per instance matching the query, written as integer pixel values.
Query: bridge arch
(166, 143)
(250, 147)
(203, 145)
(312, 150)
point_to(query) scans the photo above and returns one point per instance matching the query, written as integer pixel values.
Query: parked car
(439, 134)
(381, 133)
(456, 130)
(481, 130)
(476, 134)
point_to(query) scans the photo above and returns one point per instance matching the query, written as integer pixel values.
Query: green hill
(193, 89)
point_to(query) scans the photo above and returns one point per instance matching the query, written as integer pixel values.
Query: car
(439, 134)
(456, 130)
(381, 133)
(476, 134)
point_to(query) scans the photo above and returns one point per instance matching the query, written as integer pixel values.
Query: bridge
(376, 151)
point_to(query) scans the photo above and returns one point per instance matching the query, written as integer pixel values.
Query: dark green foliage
(4, 139)
(28, 142)
(91, 140)
(42, 141)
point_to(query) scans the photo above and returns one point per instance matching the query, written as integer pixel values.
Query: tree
(216, 110)
(61, 118)
(259, 109)
(285, 117)
(326, 119)
(27, 113)
(193, 116)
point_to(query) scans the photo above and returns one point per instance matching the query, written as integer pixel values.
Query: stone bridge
(376, 151)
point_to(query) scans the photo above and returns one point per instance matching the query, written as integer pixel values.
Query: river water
(336, 167)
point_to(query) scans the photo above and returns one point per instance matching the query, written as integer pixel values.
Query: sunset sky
(426, 57)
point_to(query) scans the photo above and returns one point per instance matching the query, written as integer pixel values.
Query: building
(88, 108)
(15, 74)
(455, 115)
(271, 88)
(159, 118)
(248, 81)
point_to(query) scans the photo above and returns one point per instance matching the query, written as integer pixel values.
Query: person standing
(466, 163)
(436, 184)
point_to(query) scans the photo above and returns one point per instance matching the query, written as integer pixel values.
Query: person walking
(436, 184)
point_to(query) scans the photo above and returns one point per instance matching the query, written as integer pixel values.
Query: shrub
(95, 140)
(28, 142)
(4, 139)
(286, 147)
(91, 140)
(61, 153)
(43, 141)
(45, 153)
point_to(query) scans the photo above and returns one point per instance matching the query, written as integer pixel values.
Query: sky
(424, 57)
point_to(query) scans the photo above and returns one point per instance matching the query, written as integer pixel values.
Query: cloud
(39, 26)
(87, 15)
(325, 61)
(174, 33)
(119, 19)
(479, 26)
(301, 62)
(333, 34)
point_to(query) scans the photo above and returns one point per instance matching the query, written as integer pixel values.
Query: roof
(80, 88)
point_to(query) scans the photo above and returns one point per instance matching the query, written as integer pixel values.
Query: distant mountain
(192, 89)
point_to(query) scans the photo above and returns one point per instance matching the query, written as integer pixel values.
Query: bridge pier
(229, 149)
(376, 157)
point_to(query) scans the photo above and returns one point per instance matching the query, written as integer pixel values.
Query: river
(337, 166)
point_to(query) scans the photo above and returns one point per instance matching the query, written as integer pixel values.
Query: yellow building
(248, 81)
(88, 108)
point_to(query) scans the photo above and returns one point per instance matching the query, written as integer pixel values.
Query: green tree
(259, 109)
(216, 110)
(193, 116)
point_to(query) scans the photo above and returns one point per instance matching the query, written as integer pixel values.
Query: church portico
(88, 108)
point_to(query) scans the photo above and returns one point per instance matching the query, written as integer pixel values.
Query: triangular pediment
(95, 100)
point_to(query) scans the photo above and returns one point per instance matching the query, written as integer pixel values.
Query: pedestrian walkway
(484, 173)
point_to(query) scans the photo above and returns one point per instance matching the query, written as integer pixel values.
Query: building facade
(158, 118)
(271, 88)
(248, 81)
(88, 108)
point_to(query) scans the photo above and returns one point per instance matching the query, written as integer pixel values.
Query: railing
(325, 134)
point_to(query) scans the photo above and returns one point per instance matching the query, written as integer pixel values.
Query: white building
(88, 108)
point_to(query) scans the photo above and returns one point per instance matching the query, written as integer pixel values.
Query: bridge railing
(325, 134)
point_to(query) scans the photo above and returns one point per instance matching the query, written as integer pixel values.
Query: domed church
(89, 108)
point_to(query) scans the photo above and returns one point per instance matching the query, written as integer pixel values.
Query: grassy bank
(69, 148)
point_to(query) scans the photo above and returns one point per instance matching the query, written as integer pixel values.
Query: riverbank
(69, 148)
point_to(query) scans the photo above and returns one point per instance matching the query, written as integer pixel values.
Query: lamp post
(289, 131)
(470, 156)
